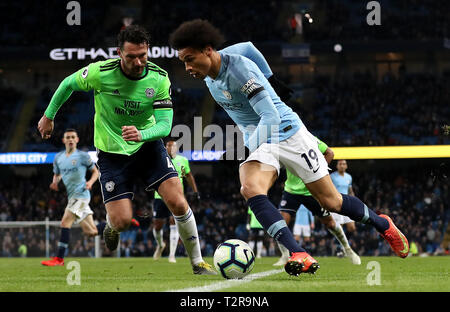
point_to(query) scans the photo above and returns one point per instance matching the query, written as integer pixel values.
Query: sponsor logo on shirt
(250, 86)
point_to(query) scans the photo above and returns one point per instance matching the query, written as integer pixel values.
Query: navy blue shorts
(119, 174)
(160, 210)
(291, 202)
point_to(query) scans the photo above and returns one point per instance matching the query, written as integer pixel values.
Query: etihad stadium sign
(62, 54)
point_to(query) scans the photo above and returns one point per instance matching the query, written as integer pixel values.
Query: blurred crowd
(11, 101)
(417, 201)
(260, 21)
(405, 20)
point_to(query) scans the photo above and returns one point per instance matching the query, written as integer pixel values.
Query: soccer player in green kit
(295, 194)
(133, 111)
(160, 210)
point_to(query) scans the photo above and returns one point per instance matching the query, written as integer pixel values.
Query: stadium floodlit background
(354, 85)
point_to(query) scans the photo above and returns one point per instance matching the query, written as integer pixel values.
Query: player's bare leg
(88, 226)
(336, 230)
(171, 192)
(174, 237)
(158, 225)
(66, 223)
(118, 218)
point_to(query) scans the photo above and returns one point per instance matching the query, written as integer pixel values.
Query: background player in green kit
(295, 194)
(133, 111)
(160, 210)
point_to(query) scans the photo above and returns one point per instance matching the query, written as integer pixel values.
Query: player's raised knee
(91, 232)
(120, 224)
(249, 189)
(177, 205)
(331, 204)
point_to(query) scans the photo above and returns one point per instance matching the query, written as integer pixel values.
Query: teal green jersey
(123, 101)
(181, 164)
(254, 223)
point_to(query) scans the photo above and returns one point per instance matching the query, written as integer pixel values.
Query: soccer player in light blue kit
(275, 136)
(343, 183)
(304, 223)
(70, 166)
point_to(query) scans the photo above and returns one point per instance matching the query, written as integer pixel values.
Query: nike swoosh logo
(316, 169)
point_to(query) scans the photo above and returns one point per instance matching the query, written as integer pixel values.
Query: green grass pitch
(414, 274)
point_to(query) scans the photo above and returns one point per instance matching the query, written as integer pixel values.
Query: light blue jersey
(342, 183)
(303, 216)
(248, 50)
(247, 96)
(73, 172)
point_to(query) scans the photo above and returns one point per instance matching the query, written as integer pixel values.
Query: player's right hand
(45, 127)
(54, 187)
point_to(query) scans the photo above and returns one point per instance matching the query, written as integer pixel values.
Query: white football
(234, 259)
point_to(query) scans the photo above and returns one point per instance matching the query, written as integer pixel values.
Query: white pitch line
(227, 283)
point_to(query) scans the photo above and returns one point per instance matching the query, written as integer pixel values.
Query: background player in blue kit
(70, 166)
(343, 183)
(303, 225)
(275, 136)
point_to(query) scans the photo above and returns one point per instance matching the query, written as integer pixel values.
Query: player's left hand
(88, 185)
(130, 133)
(45, 127)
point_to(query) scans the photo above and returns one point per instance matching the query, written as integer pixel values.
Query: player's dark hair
(196, 34)
(134, 33)
(71, 130)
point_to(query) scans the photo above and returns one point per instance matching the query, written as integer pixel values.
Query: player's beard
(137, 71)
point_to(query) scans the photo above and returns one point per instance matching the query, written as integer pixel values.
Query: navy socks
(63, 242)
(356, 210)
(272, 221)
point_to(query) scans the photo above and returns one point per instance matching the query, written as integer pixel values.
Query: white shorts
(302, 230)
(80, 208)
(340, 219)
(299, 154)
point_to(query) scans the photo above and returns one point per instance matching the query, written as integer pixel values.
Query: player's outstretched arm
(83, 80)
(65, 89)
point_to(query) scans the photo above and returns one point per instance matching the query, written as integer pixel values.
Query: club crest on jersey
(227, 94)
(149, 92)
(74, 162)
(110, 186)
(84, 73)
